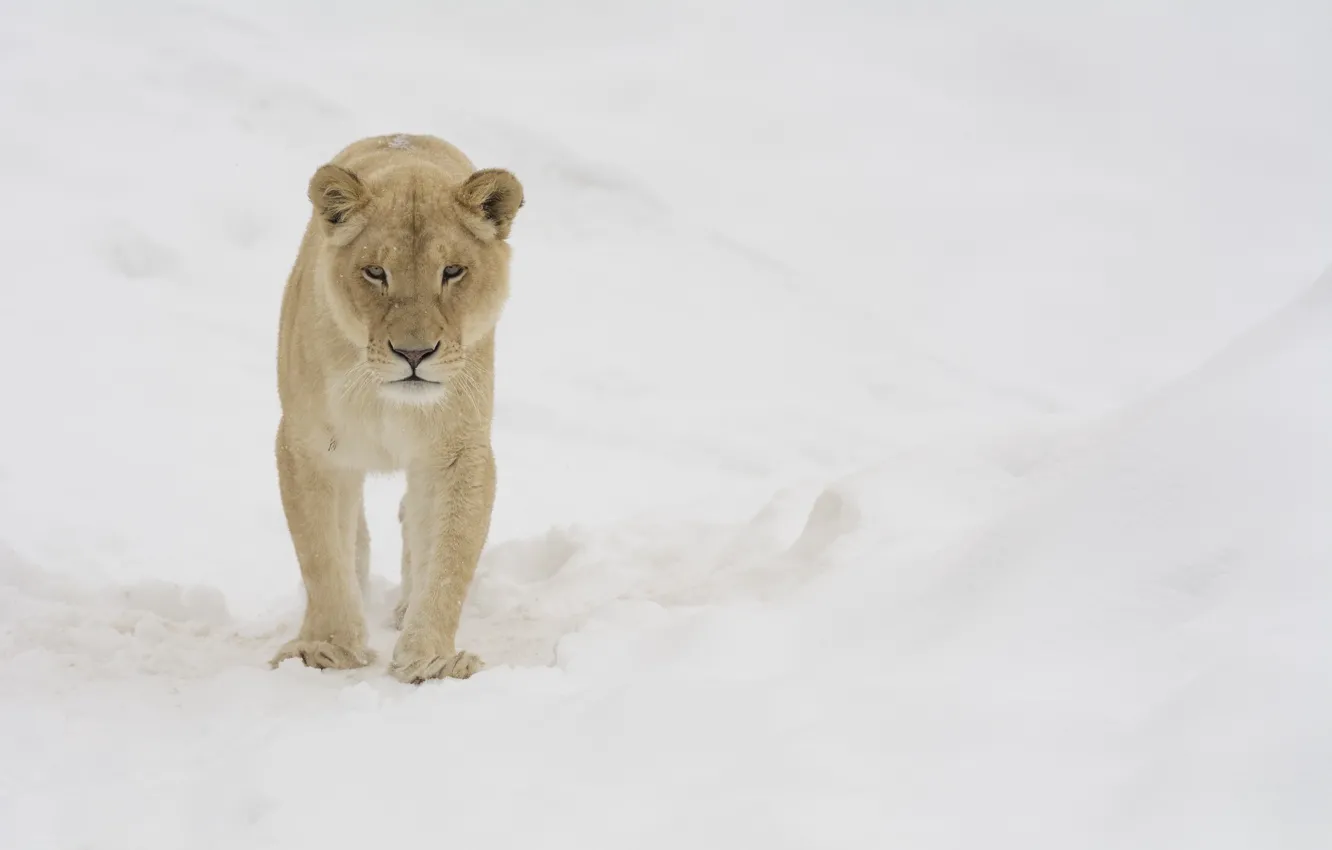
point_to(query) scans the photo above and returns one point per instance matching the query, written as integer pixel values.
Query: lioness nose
(413, 356)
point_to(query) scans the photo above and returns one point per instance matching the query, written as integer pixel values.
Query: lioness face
(414, 271)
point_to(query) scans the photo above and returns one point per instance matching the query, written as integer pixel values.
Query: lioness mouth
(413, 379)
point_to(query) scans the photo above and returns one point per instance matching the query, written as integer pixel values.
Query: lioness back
(367, 156)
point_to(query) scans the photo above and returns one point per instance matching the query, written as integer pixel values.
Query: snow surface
(912, 427)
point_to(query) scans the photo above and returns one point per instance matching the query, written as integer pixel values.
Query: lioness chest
(378, 441)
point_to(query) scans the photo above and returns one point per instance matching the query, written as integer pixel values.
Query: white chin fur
(419, 394)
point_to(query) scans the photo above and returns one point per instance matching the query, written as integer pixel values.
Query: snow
(912, 428)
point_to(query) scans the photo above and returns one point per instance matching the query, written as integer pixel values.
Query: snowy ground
(946, 388)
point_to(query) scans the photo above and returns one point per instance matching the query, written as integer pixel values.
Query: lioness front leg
(447, 520)
(323, 507)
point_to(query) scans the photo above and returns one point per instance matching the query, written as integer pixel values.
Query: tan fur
(411, 205)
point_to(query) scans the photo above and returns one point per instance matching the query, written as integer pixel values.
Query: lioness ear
(339, 198)
(493, 197)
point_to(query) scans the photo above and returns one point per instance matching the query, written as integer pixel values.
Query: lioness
(386, 362)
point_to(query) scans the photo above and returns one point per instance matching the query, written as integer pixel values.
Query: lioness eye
(375, 274)
(452, 273)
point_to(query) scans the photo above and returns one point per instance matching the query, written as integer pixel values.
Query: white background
(912, 426)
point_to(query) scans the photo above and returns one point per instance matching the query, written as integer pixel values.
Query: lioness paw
(414, 669)
(324, 654)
